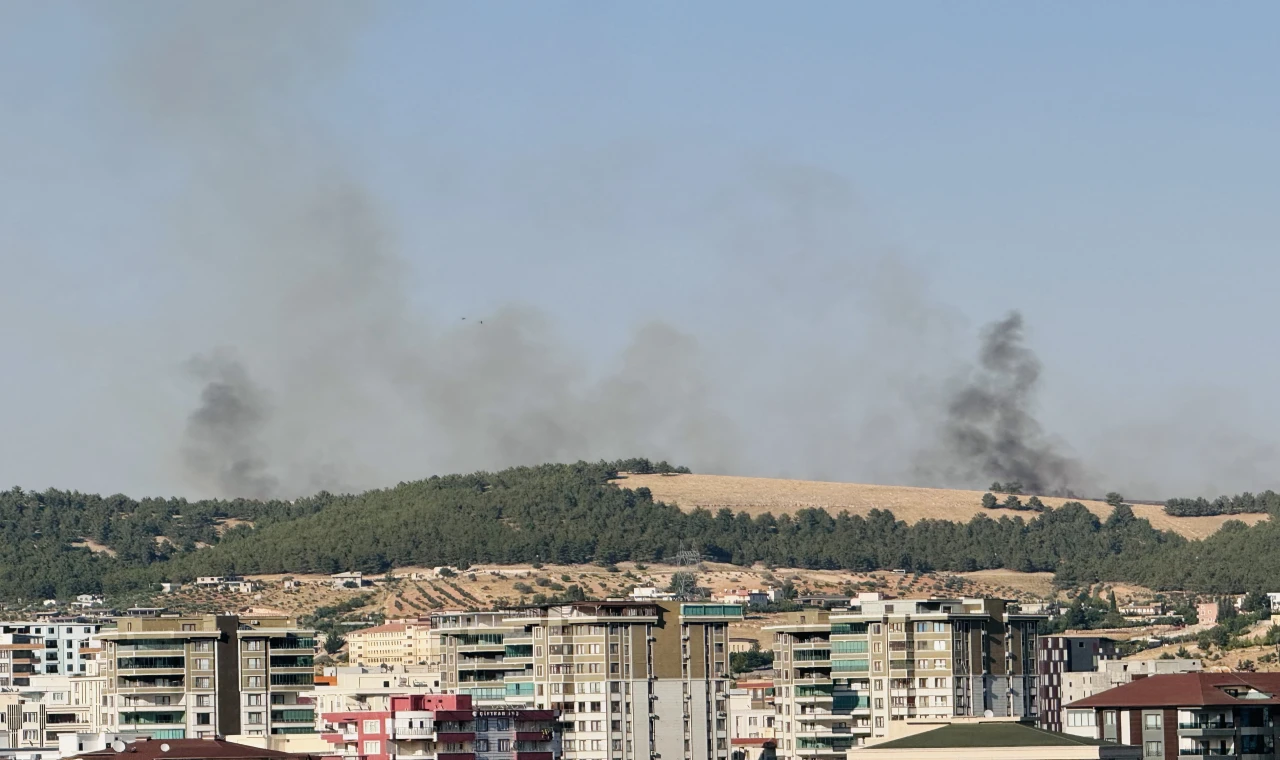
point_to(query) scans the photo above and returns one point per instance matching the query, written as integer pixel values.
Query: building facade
(629, 679)
(1056, 655)
(351, 689)
(402, 643)
(1186, 715)
(1113, 673)
(841, 676)
(442, 727)
(62, 643)
(200, 677)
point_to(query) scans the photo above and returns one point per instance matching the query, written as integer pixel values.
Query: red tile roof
(1187, 690)
(190, 749)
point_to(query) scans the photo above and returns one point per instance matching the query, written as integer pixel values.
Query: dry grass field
(759, 495)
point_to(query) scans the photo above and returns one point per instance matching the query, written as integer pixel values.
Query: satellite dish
(985, 714)
(117, 745)
(164, 747)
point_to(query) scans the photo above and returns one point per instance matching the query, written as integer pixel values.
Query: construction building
(843, 675)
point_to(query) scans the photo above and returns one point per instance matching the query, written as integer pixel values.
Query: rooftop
(191, 749)
(1002, 734)
(1189, 690)
(387, 628)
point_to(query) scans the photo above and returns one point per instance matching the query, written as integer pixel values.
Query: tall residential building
(842, 675)
(1186, 715)
(1056, 655)
(441, 727)
(400, 643)
(197, 677)
(630, 679)
(62, 643)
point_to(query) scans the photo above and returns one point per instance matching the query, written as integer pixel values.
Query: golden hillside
(759, 495)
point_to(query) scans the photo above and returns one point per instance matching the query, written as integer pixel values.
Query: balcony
(418, 733)
(543, 735)
(455, 737)
(1207, 729)
(1207, 752)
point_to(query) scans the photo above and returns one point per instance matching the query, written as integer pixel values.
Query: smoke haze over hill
(310, 298)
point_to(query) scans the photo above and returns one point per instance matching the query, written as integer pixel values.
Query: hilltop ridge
(756, 496)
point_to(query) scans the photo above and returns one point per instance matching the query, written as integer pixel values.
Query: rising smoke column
(989, 430)
(222, 447)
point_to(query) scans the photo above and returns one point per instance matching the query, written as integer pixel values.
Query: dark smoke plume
(990, 432)
(222, 442)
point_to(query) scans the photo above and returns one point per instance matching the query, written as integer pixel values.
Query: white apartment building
(62, 643)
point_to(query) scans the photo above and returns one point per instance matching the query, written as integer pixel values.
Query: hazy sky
(761, 238)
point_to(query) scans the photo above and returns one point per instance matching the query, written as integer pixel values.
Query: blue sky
(1108, 169)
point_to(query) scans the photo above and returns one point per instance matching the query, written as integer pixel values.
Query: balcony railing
(1208, 724)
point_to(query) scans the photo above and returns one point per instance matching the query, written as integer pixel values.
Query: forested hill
(572, 514)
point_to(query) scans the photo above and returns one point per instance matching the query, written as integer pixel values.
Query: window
(875, 629)
(1153, 749)
(504, 745)
(1109, 717)
(253, 700)
(204, 719)
(940, 664)
(879, 703)
(940, 645)
(922, 664)
(1153, 720)
(877, 646)
(939, 683)
(255, 717)
(204, 700)
(878, 684)
(163, 699)
(373, 748)
(188, 626)
(255, 682)
(254, 663)
(203, 645)
(879, 722)
(253, 645)
(204, 663)
(482, 745)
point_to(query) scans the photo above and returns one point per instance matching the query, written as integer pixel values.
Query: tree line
(570, 513)
(1267, 502)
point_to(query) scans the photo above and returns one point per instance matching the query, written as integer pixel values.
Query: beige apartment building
(631, 679)
(843, 675)
(399, 643)
(200, 677)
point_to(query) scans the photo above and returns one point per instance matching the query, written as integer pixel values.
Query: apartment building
(1186, 715)
(200, 677)
(70, 704)
(630, 679)
(1056, 655)
(442, 727)
(17, 660)
(398, 643)
(1113, 673)
(751, 711)
(352, 689)
(62, 641)
(841, 676)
